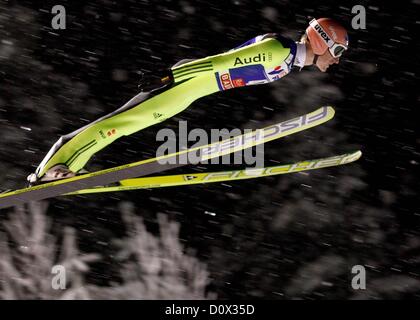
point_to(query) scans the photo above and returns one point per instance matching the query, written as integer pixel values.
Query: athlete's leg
(75, 149)
(142, 96)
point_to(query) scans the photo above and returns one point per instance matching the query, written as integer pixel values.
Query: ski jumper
(262, 59)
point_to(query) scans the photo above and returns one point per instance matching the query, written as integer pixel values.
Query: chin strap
(315, 59)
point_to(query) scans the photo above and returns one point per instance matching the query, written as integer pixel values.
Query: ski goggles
(336, 49)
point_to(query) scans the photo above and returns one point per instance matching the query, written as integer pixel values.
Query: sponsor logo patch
(276, 70)
(226, 81)
(157, 115)
(258, 58)
(111, 132)
(238, 82)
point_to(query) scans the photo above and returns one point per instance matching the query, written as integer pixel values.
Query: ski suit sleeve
(255, 40)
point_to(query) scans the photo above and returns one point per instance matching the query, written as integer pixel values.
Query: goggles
(336, 49)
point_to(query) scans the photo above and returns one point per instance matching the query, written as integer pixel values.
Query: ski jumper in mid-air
(263, 59)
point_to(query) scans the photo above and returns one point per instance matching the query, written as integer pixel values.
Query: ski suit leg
(142, 96)
(75, 149)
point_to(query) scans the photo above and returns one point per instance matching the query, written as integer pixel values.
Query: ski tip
(327, 111)
(330, 109)
(354, 156)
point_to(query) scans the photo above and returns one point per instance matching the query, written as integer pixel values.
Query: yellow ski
(221, 176)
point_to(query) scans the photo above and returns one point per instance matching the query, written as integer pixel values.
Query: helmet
(325, 33)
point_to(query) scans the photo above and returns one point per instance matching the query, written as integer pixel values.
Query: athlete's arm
(247, 43)
(256, 39)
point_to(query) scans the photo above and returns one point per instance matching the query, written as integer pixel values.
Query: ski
(166, 162)
(222, 176)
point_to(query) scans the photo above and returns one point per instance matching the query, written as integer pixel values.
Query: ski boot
(56, 172)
